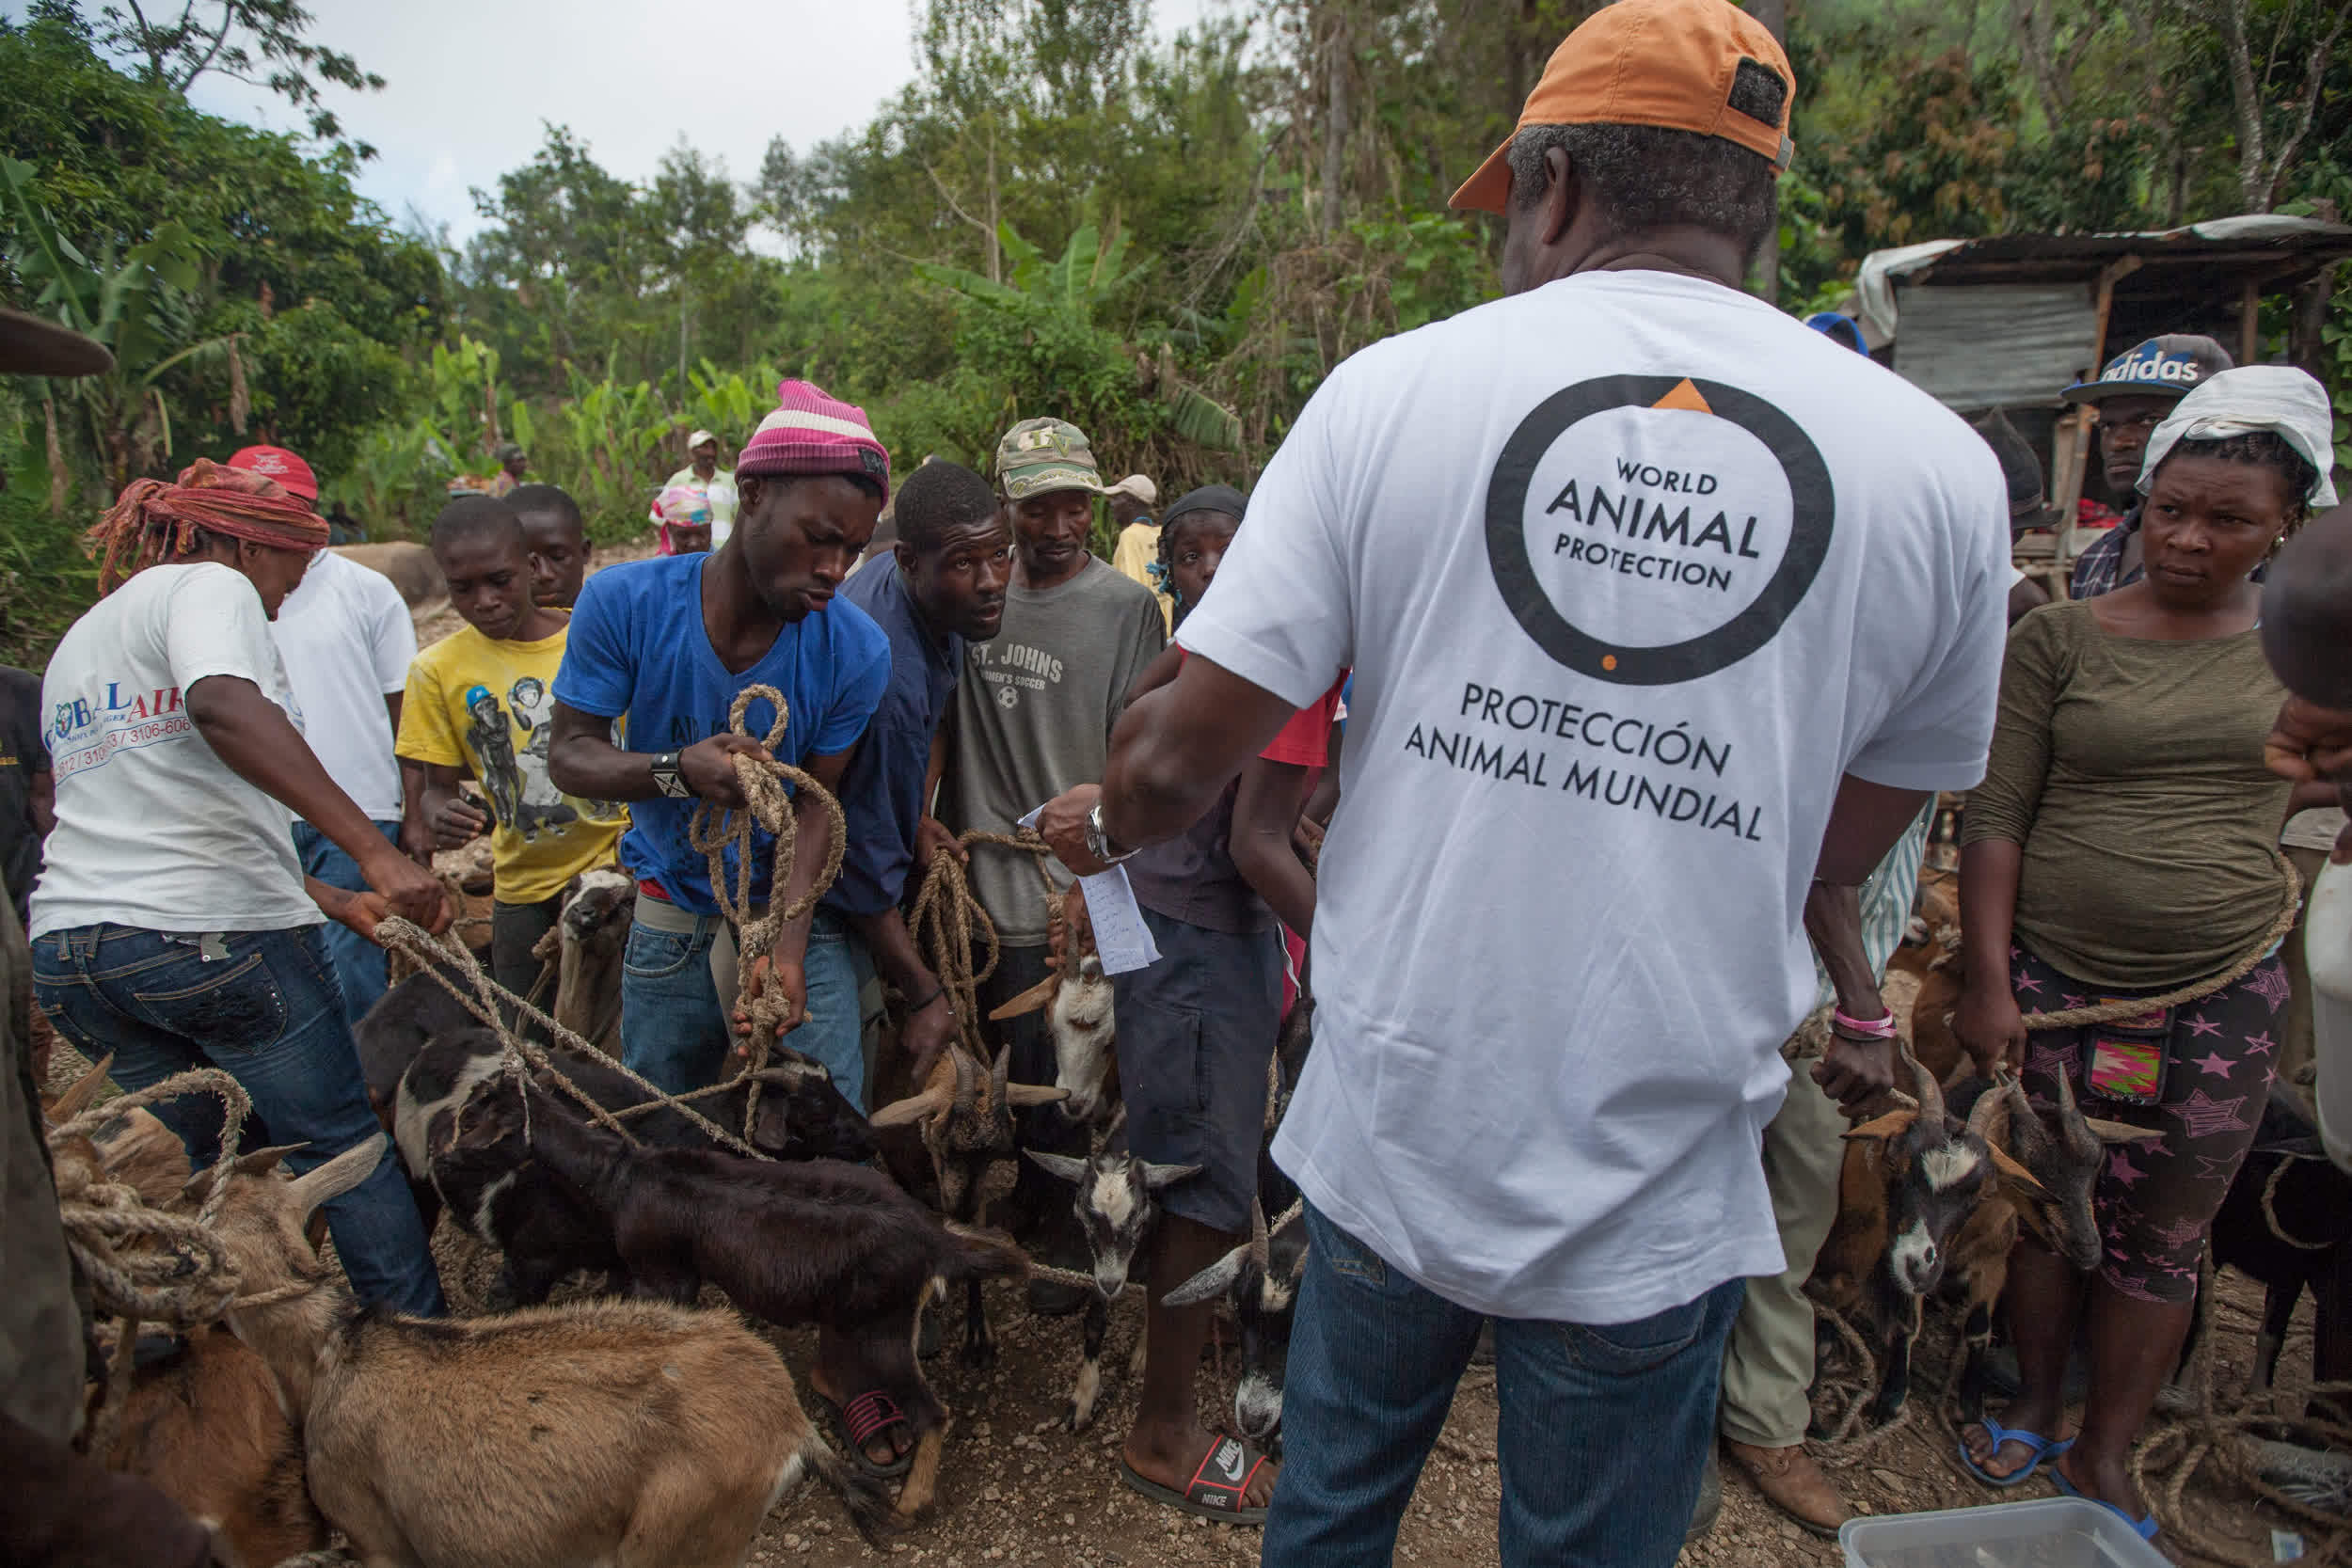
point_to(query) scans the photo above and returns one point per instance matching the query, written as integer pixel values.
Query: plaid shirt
(2097, 569)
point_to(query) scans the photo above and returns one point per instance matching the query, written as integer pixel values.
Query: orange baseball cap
(1685, 64)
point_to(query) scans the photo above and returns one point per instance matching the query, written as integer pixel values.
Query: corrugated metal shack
(2011, 321)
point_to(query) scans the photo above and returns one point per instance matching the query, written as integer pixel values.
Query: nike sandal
(1217, 1488)
(2044, 1447)
(2144, 1528)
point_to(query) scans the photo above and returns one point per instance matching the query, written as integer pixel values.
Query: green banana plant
(140, 305)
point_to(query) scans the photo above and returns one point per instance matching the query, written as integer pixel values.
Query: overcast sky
(470, 83)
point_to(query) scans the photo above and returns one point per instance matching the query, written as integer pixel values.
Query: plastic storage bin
(2047, 1532)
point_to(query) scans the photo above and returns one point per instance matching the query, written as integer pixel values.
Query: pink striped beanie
(809, 433)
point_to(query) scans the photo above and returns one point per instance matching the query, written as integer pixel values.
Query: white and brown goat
(630, 1434)
(1076, 1000)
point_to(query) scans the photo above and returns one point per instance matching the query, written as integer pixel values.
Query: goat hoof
(978, 1354)
(1074, 1419)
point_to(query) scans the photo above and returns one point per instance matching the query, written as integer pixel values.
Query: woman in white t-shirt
(174, 927)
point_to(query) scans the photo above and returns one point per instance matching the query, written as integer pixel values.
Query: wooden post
(2249, 322)
(2072, 448)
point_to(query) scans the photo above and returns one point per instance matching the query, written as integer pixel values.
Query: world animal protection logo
(1652, 529)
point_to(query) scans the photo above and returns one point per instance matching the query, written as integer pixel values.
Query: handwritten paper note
(1120, 938)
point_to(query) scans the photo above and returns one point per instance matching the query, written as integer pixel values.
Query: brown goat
(135, 1148)
(584, 945)
(1932, 1038)
(630, 1434)
(966, 1121)
(2061, 1153)
(207, 1426)
(1910, 1181)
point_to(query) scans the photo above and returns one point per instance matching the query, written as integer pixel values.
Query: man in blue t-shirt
(943, 587)
(669, 642)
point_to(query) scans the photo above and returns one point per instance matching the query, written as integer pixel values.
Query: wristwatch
(666, 777)
(1099, 842)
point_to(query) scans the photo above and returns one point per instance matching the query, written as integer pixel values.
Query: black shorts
(1195, 1036)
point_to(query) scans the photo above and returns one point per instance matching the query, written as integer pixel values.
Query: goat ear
(2016, 1175)
(1067, 1166)
(260, 1161)
(2116, 1131)
(899, 1113)
(338, 1176)
(1211, 1282)
(1156, 1176)
(1030, 1001)
(79, 1094)
(1887, 1126)
(1034, 1094)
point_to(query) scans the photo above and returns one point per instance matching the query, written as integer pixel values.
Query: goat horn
(999, 1075)
(1257, 1234)
(1929, 1092)
(964, 1087)
(81, 1092)
(1989, 1117)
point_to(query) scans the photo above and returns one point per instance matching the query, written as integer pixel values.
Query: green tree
(263, 42)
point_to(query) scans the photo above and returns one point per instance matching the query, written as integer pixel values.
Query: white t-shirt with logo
(154, 830)
(347, 638)
(1630, 569)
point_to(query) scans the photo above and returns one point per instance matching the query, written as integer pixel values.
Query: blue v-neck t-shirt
(638, 647)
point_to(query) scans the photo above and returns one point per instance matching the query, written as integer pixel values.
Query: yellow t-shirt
(1139, 546)
(488, 707)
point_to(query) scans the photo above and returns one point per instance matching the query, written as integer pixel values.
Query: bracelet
(1868, 1028)
(937, 992)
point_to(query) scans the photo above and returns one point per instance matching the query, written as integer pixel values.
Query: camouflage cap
(1040, 455)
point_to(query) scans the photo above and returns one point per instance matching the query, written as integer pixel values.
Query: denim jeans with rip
(264, 1006)
(1602, 1438)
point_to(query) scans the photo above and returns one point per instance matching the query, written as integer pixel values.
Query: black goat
(2293, 1236)
(1113, 1202)
(501, 1195)
(1259, 1281)
(838, 1245)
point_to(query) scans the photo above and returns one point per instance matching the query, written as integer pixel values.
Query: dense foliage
(1169, 241)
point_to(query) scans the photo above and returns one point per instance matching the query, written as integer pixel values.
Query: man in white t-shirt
(701, 472)
(347, 638)
(1661, 608)
(173, 926)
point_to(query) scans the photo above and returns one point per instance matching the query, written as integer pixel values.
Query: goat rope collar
(944, 917)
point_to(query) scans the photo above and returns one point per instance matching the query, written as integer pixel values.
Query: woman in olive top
(2121, 846)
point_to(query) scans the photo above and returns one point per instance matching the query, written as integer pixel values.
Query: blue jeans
(676, 1032)
(838, 967)
(264, 1007)
(359, 963)
(1604, 1429)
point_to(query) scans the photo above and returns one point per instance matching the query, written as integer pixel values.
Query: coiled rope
(945, 916)
(144, 1265)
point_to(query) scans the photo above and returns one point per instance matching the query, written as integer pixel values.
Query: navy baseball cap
(2171, 366)
(1837, 328)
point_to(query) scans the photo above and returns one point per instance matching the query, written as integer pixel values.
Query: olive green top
(2131, 770)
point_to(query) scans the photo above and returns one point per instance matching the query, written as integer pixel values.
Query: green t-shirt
(2131, 770)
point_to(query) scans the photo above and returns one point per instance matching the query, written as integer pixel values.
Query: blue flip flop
(2044, 1447)
(2144, 1528)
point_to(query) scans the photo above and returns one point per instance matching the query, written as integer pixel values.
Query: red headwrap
(152, 520)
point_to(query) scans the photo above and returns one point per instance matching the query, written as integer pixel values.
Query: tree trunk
(1336, 121)
(2260, 170)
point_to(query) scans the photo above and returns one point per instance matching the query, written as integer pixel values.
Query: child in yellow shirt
(479, 706)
